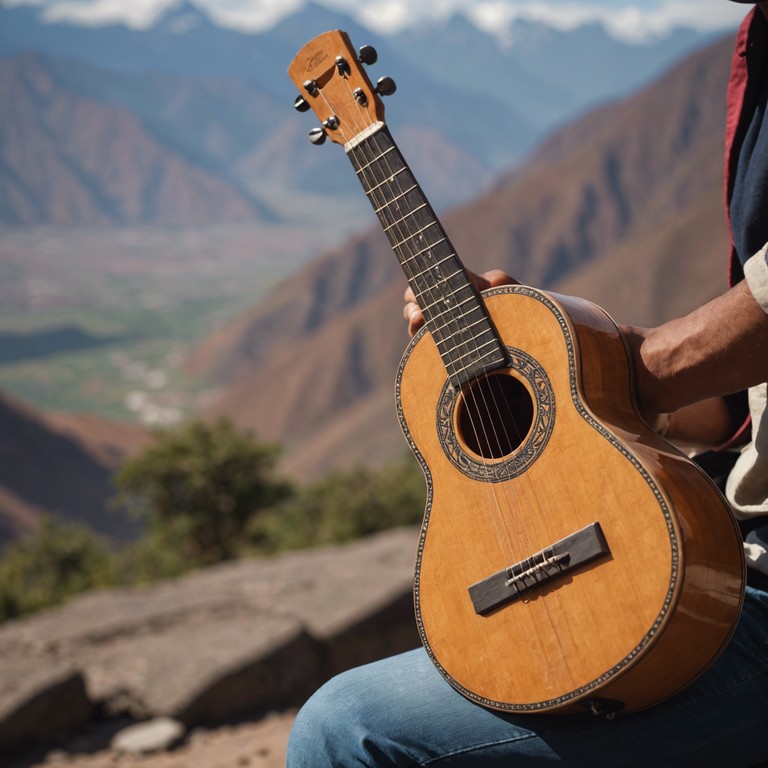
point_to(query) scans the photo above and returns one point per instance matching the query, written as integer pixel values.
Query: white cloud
(388, 16)
(249, 15)
(629, 19)
(137, 13)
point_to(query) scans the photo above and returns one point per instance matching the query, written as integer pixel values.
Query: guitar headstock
(332, 82)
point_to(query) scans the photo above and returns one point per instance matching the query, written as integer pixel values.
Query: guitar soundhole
(495, 414)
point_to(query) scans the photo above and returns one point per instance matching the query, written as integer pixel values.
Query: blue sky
(631, 19)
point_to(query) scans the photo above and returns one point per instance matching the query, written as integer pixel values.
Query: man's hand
(491, 279)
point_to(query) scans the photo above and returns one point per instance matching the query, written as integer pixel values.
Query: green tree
(344, 505)
(199, 487)
(57, 561)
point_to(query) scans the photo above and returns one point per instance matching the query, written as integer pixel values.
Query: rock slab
(252, 635)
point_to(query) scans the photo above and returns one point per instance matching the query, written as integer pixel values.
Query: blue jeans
(401, 712)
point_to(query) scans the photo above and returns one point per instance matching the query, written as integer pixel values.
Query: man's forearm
(719, 348)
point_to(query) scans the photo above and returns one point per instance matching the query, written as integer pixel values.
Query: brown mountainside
(624, 207)
(61, 465)
(67, 159)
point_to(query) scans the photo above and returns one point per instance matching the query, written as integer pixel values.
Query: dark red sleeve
(737, 87)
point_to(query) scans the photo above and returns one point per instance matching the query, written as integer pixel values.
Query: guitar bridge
(562, 557)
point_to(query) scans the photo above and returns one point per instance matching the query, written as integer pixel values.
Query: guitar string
(472, 390)
(477, 406)
(408, 258)
(381, 205)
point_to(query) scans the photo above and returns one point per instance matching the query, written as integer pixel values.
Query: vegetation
(207, 493)
(126, 306)
(99, 375)
(200, 486)
(60, 560)
(343, 506)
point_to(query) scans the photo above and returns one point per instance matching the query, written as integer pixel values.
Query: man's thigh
(401, 712)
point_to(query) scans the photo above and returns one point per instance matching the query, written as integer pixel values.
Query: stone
(40, 703)
(156, 735)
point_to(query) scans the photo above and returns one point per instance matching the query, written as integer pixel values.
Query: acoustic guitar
(570, 558)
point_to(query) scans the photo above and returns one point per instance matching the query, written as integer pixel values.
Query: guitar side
(659, 592)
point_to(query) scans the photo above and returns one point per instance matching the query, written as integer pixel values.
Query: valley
(101, 319)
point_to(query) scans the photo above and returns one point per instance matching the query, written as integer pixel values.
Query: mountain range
(206, 111)
(66, 159)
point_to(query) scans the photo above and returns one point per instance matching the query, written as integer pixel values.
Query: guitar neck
(454, 312)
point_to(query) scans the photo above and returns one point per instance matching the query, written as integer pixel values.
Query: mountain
(61, 465)
(81, 146)
(67, 159)
(550, 74)
(184, 18)
(623, 207)
(208, 111)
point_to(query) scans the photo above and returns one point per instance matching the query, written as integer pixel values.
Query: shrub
(342, 506)
(44, 568)
(200, 486)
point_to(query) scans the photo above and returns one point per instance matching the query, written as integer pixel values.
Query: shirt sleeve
(747, 486)
(756, 274)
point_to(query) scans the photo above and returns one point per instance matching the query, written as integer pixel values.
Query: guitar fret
(416, 233)
(476, 358)
(465, 330)
(395, 199)
(449, 277)
(454, 311)
(438, 329)
(449, 285)
(443, 299)
(437, 279)
(407, 215)
(389, 180)
(416, 255)
(366, 166)
(433, 266)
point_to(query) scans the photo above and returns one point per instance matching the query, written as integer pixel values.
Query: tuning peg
(317, 136)
(385, 86)
(342, 66)
(367, 55)
(300, 104)
(359, 96)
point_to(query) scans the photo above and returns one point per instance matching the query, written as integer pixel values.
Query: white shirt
(747, 486)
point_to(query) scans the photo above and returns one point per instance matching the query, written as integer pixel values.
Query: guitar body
(661, 587)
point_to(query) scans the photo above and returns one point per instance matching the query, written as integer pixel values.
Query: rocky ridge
(240, 639)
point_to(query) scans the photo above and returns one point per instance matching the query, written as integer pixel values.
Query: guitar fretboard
(454, 312)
